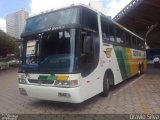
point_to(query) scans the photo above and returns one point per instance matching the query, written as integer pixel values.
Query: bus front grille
(40, 81)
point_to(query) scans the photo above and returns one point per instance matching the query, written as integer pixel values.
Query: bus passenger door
(89, 52)
(89, 59)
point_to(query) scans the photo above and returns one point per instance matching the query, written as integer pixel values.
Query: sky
(112, 7)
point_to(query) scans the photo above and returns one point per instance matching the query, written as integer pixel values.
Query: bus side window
(139, 44)
(86, 47)
(134, 42)
(105, 30)
(108, 30)
(123, 36)
(112, 32)
(89, 19)
(82, 43)
(128, 40)
(143, 45)
(119, 36)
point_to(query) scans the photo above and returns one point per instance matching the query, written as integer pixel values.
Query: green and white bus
(74, 53)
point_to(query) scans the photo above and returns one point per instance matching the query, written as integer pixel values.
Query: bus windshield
(52, 19)
(54, 52)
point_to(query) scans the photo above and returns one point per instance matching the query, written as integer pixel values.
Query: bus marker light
(74, 83)
(62, 77)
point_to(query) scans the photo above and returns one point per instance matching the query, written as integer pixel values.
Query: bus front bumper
(71, 95)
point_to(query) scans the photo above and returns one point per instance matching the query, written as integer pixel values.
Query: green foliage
(8, 44)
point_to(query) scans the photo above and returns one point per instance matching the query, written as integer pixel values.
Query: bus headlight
(22, 81)
(23, 78)
(66, 83)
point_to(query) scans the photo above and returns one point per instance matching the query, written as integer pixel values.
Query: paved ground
(138, 95)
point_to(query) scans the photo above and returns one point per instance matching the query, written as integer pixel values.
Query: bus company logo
(136, 53)
(108, 52)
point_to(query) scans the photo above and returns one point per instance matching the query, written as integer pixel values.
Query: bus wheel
(106, 85)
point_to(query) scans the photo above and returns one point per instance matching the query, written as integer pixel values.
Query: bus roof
(94, 10)
(62, 8)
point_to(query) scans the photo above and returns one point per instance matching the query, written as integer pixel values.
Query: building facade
(15, 23)
(97, 5)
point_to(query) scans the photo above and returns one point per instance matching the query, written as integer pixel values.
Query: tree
(8, 44)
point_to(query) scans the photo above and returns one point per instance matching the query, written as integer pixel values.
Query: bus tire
(106, 86)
